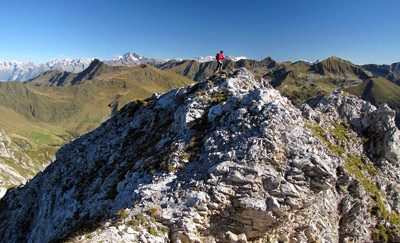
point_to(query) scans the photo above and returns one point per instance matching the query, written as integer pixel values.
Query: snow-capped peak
(133, 59)
(212, 58)
(311, 62)
(232, 58)
(118, 58)
(204, 59)
(67, 61)
(21, 71)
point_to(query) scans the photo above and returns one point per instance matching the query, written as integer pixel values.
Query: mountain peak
(95, 63)
(128, 56)
(269, 61)
(133, 55)
(63, 78)
(334, 58)
(336, 66)
(133, 59)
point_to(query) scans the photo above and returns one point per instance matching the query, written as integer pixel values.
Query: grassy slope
(40, 119)
(384, 71)
(191, 69)
(377, 90)
(300, 81)
(76, 109)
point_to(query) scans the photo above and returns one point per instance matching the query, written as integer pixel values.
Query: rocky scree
(225, 160)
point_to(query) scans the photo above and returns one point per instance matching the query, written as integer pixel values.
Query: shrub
(153, 230)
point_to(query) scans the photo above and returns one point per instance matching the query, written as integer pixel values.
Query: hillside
(198, 71)
(384, 71)
(226, 160)
(190, 68)
(58, 78)
(379, 91)
(336, 66)
(298, 81)
(99, 72)
(44, 113)
(395, 67)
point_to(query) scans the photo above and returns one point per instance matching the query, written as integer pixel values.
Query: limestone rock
(227, 159)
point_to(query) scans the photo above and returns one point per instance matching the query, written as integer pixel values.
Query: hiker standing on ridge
(219, 58)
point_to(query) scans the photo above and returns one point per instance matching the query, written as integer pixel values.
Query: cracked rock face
(224, 160)
(376, 124)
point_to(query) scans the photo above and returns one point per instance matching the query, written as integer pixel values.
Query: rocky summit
(227, 159)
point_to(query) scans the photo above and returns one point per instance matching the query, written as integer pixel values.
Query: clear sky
(361, 31)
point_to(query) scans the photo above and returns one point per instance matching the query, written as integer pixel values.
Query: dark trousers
(219, 65)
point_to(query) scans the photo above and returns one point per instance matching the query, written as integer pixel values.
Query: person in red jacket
(220, 57)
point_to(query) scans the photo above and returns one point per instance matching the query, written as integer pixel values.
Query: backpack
(216, 57)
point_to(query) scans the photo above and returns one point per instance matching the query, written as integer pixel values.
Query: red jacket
(220, 57)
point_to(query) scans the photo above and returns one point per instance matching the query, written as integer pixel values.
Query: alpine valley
(44, 113)
(170, 151)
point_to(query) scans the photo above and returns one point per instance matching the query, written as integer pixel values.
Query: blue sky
(361, 31)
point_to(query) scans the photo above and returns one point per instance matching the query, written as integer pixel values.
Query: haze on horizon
(359, 31)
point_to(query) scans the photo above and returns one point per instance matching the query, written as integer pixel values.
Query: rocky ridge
(225, 160)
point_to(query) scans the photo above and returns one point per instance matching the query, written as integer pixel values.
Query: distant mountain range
(22, 71)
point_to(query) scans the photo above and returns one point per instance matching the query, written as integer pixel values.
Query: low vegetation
(337, 137)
